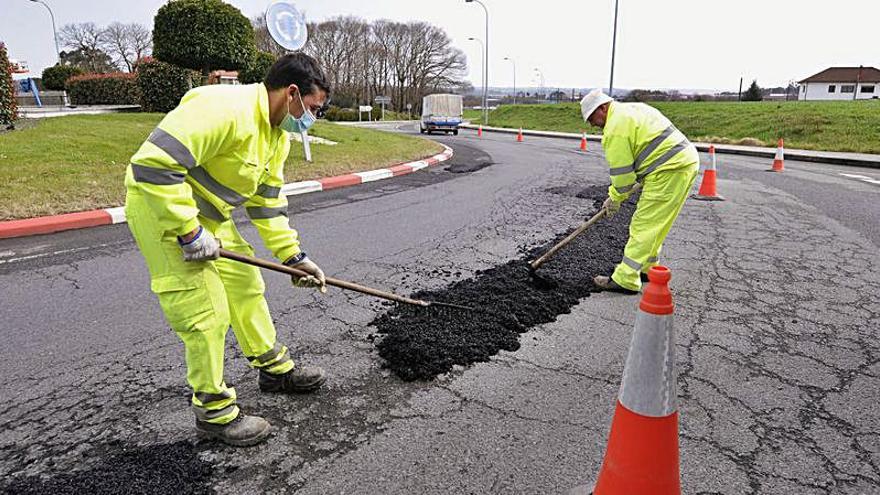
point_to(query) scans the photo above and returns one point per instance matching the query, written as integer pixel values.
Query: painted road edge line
(109, 216)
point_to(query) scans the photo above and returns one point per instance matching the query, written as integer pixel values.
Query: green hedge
(8, 107)
(162, 85)
(258, 68)
(103, 89)
(55, 77)
(336, 114)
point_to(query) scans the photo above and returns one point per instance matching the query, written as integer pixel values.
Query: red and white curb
(110, 216)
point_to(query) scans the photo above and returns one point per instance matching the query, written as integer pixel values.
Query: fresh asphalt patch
(421, 343)
(173, 468)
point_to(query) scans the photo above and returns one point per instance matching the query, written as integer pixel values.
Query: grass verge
(828, 126)
(76, 163)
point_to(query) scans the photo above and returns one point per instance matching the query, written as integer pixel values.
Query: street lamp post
(613, 49)
(514, 77)
(541, 78)
(485, 64)
(54, 31)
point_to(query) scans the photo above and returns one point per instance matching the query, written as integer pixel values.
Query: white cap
(592, 101)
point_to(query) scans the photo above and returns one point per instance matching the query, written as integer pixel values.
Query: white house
(841, 83)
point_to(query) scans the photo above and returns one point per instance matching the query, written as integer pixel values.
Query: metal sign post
(383, 100)
(307, 146)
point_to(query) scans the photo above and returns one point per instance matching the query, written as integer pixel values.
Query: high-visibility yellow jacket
(639, 140)
(215, 151)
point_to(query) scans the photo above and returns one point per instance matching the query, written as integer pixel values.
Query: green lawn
(76, 163)
(829, 126)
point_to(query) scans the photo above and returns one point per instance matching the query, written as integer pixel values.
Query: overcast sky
(661, 44)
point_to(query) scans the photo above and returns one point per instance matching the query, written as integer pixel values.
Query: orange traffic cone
(584, 142)
(480, 131)
(642, 453)
(519, 137)
(707, 186)
(779, 161)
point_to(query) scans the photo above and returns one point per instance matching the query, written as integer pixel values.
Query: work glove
(315, 276)
(611, 207)
(202, 247)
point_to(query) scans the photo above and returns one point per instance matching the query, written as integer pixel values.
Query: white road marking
(863, 178)
(54, 253)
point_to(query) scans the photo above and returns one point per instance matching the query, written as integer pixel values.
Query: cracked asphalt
(777, 319)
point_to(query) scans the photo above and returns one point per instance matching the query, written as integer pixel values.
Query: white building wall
(819, 91)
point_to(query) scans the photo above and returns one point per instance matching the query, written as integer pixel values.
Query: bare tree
(127, 43)
(84, 36)
(264, 40)
(402, 60)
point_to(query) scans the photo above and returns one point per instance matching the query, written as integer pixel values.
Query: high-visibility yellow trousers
(663, 195)
(200, 299)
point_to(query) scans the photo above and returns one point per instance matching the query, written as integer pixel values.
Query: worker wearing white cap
(641, 145)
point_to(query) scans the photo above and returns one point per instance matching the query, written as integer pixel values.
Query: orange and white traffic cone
(707, 190)
(584, 142)
(779, 161)
(642, 454)
(519, 136)
(480, 130)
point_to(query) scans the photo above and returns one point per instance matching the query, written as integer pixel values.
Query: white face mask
(301, 124)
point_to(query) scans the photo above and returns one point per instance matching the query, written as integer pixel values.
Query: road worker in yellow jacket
(223, 147)
(641, 145)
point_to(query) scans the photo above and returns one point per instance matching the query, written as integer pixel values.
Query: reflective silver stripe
(269, 355)
(665, 157)
(204, 415)
(156, 176)
(268, 191)
(653, 259)
(202, 176)
(207, 209)
(657, 141)
(206, 398)
(174, 148)
(635, 265)
(262, 213)
(622, 170)
(625, 189)
(649, 385)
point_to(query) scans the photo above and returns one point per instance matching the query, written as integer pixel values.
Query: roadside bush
(336, 114)
(56, 76)
(203, 35)
(8, 107)
(162, 85)
(258, 68)
(103, 89)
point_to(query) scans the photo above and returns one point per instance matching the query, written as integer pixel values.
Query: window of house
(867, 89)
(832, 88)
(848, 88)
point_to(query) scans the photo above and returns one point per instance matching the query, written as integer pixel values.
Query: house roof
(845, 74)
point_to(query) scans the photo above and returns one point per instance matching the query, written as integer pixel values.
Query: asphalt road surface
(777, 321)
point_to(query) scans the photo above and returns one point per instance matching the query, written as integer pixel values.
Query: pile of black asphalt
(174, 468)
(421, 343)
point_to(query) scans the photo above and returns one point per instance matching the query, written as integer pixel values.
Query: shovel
(534, 265)
(342, 284)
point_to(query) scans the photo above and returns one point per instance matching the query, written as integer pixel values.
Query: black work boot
(299, 380)
(243, 431)
(607, 284)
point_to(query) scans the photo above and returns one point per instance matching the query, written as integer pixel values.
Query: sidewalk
(832, 157)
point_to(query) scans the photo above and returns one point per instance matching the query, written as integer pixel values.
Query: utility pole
(485, 65)
(740, 96)
(613, 50)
